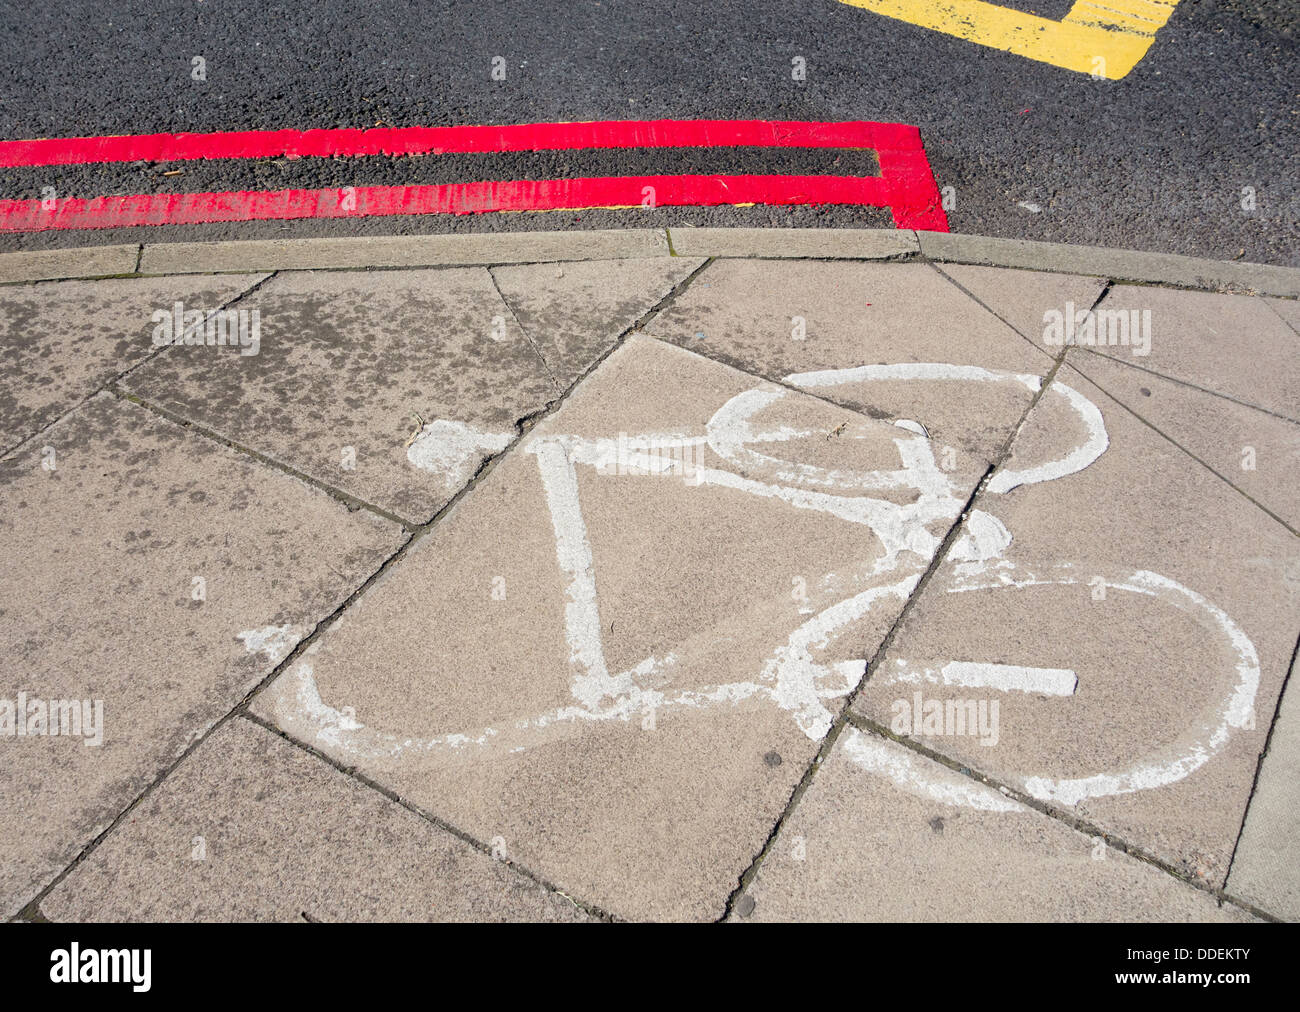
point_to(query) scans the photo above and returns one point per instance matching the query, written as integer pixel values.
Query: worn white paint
(273, 640)
(798, 676)
(1093, 446)
(1010, 678)
(922, 777)
(1208, 733)
(910, 371)
(454, 450)
(984, 537)
(983, 675)
(792, 679)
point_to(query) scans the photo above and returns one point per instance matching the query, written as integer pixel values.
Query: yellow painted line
(1106, 38)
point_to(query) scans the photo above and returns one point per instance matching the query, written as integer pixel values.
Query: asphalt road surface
(1196, 150)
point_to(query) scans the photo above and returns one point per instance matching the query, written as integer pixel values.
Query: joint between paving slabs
(34, 904)
(353, 503)
(550, 375)
(354, 774)
(1094, 832)
(107, 384)
(938, 268)
(1173, 442)
(1273, 309)
(940, 555)
(1185, 383)
(837, 726)
(1154, 428)
(1259, 764)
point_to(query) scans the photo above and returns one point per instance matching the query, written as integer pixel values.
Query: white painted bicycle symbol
(792, 678)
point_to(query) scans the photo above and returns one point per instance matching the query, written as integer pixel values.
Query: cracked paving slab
(618, 654)
(1025, 298)
(886, 834)
(1257, 452)
(252, 828)
(62, 341)
(1134, 633)
(152, 578)
(1233, 345)
(574, 312)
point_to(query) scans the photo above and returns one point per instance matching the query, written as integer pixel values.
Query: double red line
(905, 184)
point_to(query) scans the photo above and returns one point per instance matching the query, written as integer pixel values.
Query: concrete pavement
(699, 575)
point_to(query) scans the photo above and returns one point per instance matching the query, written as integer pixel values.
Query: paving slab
(351, 371)
(801, 321)
(865, 843)
(856, 243)
(1266, 867)
(1233, 345)
(365, 252)
(89, 262)
(152, 578)
(252, 828)
(1026, 298)
(1132, 617)
(63, 341)
(617, 656)
(1256, 451)
(1288, 309)
(574, 312)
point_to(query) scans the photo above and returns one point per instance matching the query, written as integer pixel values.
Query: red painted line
(905, 185)
(458, 140)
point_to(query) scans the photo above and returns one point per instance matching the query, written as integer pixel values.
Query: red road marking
(905, 185)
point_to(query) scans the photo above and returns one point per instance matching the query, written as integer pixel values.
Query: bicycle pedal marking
(791, 678)
(1002, 677)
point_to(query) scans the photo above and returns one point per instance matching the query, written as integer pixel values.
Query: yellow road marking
(1106, 38)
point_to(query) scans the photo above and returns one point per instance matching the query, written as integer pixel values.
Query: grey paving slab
(252, 828)
(885, 834)
(1131, 616)
(856, 243)
(89, 262)
(151, 579)
(786, 319)
(1266, 867)
(1288, 309)
(618, 656)
(1229, 344)
(1025, 299)
(61, 342)
(574, 312)
(363, 252)
(1254, 450)
(351, 371)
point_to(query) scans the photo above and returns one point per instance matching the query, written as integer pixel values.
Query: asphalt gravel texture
(1159, 160)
